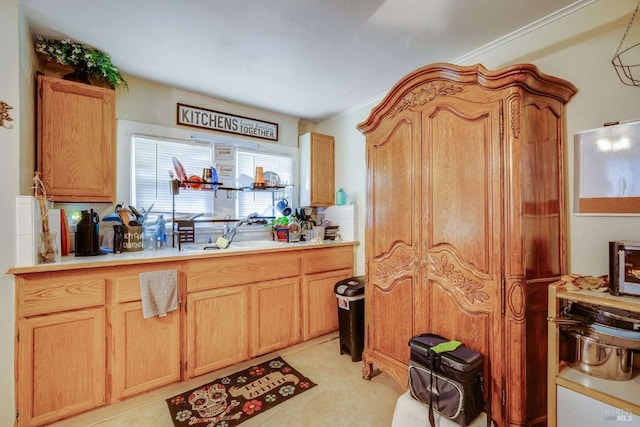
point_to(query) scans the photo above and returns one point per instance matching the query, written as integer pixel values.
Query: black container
(118, 238)
(350, 295)
(88, 234)
(451, 383)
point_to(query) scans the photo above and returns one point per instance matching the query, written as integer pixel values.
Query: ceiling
(311, 59)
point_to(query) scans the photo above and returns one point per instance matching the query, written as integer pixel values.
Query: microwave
(624, 268)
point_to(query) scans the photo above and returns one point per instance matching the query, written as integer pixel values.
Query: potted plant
(280, 226)
(86, 61)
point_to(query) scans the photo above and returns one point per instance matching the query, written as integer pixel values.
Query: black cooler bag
(451, 383)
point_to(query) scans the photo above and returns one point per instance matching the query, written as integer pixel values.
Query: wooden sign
(197, 117)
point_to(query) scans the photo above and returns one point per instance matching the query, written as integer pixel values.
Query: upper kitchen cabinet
(76, 140)
(316, 169)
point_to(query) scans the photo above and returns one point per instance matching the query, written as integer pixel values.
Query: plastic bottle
(341, 197)
(160, 235)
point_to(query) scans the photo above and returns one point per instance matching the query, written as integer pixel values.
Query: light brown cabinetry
(61, 346)
(143, 354)
(321, 313)
(82, 341)
(226, 322)
(317, 157)
(217, 329)
(76, 140)
(275, 314)
(476, 231)
(322, 269)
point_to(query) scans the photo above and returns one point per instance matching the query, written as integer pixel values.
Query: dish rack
(185, 229)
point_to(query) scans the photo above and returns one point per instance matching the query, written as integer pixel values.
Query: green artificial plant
(94, 62)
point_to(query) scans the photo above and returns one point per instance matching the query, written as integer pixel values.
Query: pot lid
(607, 316)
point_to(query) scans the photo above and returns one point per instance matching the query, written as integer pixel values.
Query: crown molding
(536, 25)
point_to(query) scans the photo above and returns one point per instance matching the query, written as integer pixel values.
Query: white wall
(10, 85)
(578, 48)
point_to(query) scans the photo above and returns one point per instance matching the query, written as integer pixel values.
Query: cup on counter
(318, 231)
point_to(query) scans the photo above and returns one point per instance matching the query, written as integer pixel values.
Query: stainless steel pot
(591, 356)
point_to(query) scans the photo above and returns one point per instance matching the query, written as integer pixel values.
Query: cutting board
(65, 246)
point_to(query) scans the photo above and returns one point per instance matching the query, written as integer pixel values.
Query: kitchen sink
(246, 244)
(249, 244)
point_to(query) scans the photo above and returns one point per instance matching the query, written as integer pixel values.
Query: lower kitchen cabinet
(217, 329)
(83, 342)
(322, 268)
(275, 312)
(142, 354)
(145, 353)
(320, 306)
(61, 365)
(60, 345)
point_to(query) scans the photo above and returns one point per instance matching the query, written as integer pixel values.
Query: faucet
(230, 231)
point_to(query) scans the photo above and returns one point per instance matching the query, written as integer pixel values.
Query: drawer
(126, 282)
(237, 270)
(51, 292)
(126, 288)
(327, 259)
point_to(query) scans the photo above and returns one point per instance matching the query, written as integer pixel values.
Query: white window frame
(126, 129)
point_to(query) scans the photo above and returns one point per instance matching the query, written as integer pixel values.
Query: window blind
(259, 201)
(152, 164)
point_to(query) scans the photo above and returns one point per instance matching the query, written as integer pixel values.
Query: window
(259, 201)
(152, 167)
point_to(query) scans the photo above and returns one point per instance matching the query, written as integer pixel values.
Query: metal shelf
(177, 185)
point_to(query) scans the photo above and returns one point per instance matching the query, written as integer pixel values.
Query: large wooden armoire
(465, 223)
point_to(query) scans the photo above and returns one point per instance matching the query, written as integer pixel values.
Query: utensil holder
(133, 238)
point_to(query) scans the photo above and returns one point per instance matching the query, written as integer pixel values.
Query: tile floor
(342, 397)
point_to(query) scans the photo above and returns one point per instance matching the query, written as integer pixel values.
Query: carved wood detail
(426, 94)
(516, 120)
(516, 301)
(470, 288)
(391, 267)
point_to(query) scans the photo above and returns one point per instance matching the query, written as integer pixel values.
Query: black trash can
(350, 295)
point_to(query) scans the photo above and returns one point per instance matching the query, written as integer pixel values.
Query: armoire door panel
(392, 308)
(392, 187)
(462, 145)
(541, 192)
(465, 306)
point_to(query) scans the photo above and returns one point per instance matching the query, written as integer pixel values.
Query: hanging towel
(159, 291)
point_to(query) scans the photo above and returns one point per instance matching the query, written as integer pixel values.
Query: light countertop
(189, 251)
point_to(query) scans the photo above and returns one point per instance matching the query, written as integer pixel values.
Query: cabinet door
(217, 329)
(463, 221)
(62, 365)
(317, 157)
(393, 234)
(320, 305)
(76, 140)
(275, 315)
(146, 352)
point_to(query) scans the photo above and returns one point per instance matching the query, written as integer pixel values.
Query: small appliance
(624, 268)
(88, 234)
